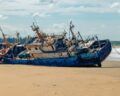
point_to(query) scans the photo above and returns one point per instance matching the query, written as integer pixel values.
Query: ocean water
(115, 43)
(114, 55)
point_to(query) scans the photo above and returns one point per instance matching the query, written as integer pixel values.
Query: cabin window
(36, 48)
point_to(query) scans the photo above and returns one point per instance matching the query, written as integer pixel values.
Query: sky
(90, 17)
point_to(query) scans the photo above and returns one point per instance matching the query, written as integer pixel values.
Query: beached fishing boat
(60, 51)
(10, 50)
(5, 46)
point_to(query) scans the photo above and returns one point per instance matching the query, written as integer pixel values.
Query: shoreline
(111, 64)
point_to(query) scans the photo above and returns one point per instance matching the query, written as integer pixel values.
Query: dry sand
(23, 80)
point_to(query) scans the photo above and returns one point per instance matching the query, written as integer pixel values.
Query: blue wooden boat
(58, 50)
(94, 56)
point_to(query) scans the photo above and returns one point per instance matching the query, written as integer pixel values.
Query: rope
(116, 50)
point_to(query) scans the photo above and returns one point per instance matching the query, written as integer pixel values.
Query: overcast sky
(99, 17)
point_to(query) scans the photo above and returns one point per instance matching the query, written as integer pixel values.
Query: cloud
(56, 28)
(115, 5)
(25, 7)
(45, 8)
(46, 1)
(2, 17)
(40, 14)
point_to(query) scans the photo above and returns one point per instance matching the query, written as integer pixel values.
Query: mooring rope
(116, 50)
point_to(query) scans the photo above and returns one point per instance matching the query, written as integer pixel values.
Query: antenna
(34, 19)
(18, 37)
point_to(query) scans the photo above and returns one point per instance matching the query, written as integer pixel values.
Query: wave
(115, 54)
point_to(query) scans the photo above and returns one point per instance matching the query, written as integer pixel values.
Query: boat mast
(36, 29)
(71, 30)
(4, 37)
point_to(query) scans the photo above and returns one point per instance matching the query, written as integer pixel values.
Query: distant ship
(59, 50)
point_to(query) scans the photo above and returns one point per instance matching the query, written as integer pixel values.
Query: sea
(115, 53)
(115, 43)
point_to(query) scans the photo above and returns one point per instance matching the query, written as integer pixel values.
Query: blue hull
(84, 59)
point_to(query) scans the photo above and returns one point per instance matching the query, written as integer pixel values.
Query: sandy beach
(26, 80)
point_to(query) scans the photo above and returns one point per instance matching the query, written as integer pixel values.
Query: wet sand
(26, 80)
